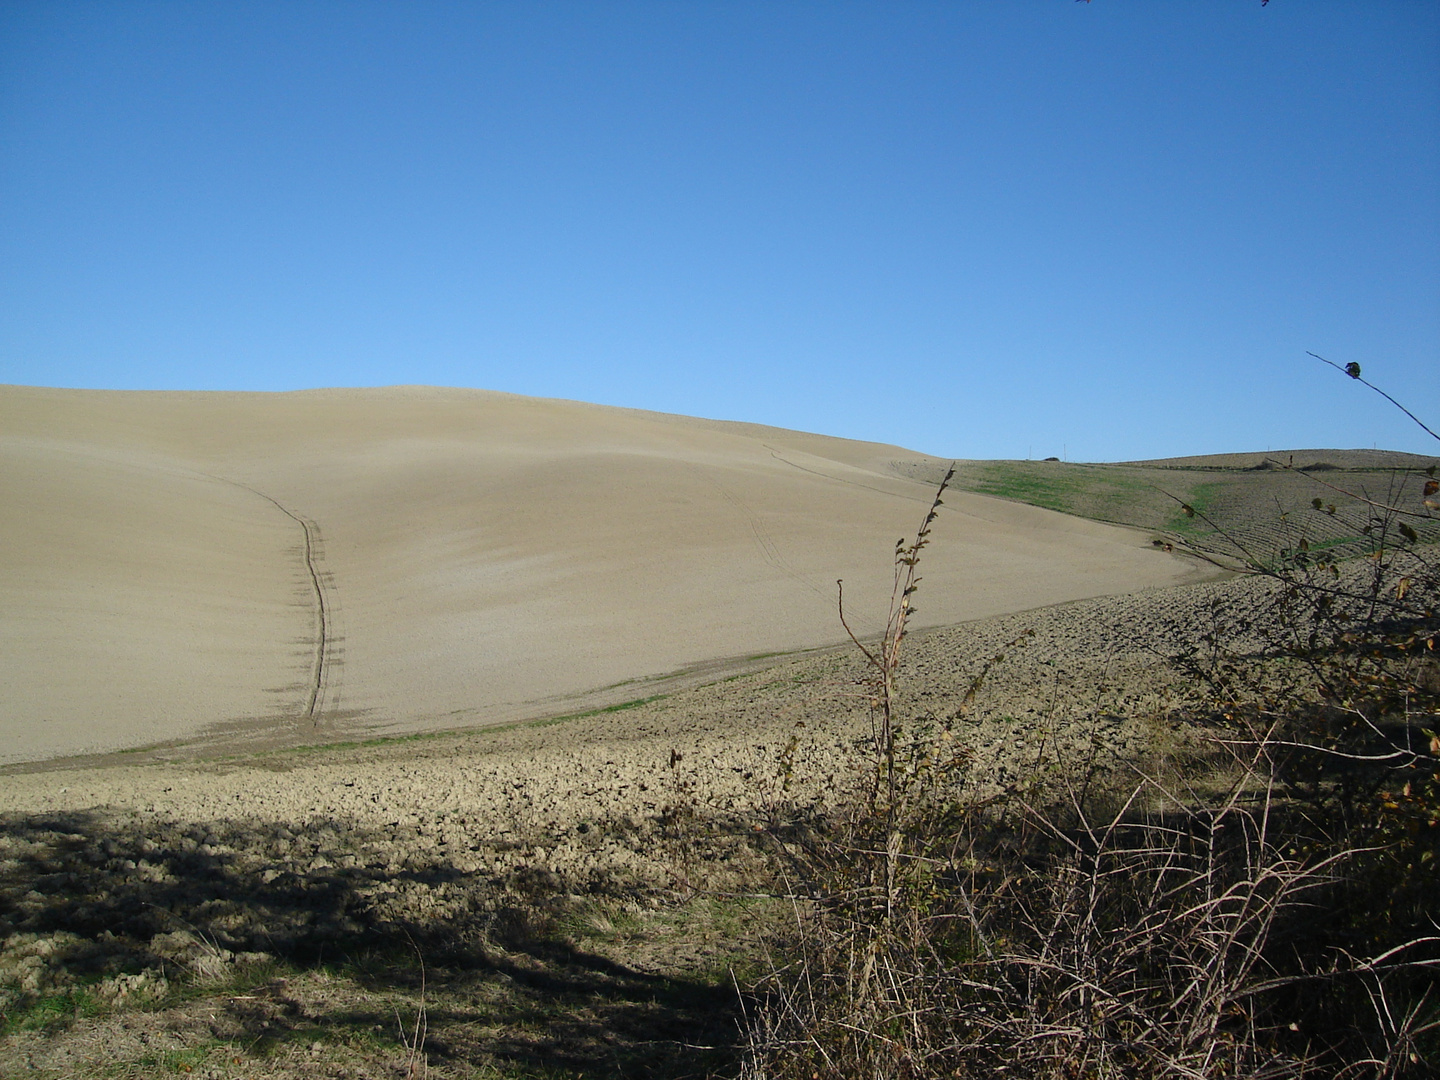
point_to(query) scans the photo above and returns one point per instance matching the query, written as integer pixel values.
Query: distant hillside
(1256, 502)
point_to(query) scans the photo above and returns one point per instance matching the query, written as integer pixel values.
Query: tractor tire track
(320, 671)
(842, 480)
(769, 552)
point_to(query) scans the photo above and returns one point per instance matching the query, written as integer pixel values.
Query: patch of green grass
(1199, 498)
(1105, 492)
(1051, 485)
(1337, 541)
(601, 922)
(51, 1011)
(603, 710)
(182, 1061)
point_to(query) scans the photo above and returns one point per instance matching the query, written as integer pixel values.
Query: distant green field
(1256, 510)
(1059, 487)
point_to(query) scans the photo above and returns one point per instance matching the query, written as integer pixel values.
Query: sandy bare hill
(337, 562)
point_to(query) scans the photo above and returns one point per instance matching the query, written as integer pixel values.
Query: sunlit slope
(351, 561)
(137, 600)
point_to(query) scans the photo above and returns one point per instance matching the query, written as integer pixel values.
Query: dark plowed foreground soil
(579, 895)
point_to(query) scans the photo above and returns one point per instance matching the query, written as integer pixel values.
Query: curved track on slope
(319, 673)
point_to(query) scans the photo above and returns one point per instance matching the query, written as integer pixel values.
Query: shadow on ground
(328, 944)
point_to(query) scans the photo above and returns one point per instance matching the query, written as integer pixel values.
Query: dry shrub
(1279, 924)
(1040, 936)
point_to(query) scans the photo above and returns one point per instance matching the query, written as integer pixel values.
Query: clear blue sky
(1111, 229)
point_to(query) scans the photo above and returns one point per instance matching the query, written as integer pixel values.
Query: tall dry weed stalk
(888, 791)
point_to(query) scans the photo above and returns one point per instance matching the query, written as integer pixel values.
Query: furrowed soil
(585, 896)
